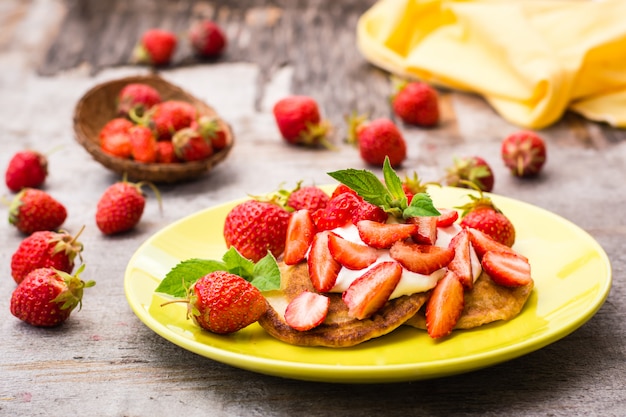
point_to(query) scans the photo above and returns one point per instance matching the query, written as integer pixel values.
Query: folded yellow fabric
(531, 60)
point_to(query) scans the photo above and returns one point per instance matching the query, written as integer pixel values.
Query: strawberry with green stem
(482, 214)
(299, 121)
(472, 169)
(32, 210)
(376, 140)
(46, 297)
(524, 153)
(46, 249)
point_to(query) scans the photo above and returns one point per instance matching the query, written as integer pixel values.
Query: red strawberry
(323, 268)
(207, 39)
(369, 293)
(377, 139)
(26, 168)
(507, 268)
(426, 232)
(307, 311)
(447, 217)
(350, 254)
(310, 197)
(300, 233)
(224, 303)
(342, 188)
(483, 215)
(369, 211)
(470, 170)
(416, 103)
(461, 264)
(524, 153)
(299, 121)
(337, 213)
(33, 210)
(114, 138)
(210, 129)
(168, 117)
(256, 227)
(46, 297)
(421, 259)
(137, 97)
(143, 145)
(189, 145)
(121, 206)
(444, 307)
(156, 47)
(45, 249)
(483, 243)
(383, 235)
(165, 152)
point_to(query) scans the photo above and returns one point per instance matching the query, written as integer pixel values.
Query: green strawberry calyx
(390, 196)
(73, 295)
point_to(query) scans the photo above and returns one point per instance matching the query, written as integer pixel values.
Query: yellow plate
(572, 280)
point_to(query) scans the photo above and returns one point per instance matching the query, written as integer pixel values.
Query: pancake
(339, 329)
(486, 303)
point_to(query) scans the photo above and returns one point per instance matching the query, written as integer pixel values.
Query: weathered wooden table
(106, 362)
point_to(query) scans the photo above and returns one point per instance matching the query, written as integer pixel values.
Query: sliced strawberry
(447, 217)
(426, 229)
(323, 268)
(369, 293)
(421, 259)
(383, 235)
(307, 311)
(461, 264)
(445, 305)
(300, 232)
(483, 243)
(350, 254)
(507, 268)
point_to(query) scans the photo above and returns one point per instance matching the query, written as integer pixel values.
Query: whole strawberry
(524, 153)
(256, 227)
(223, 303)
(26, 168)
(377, 139)
(210, 128)
(33, 210)
(308, 197)
(299, 121)
(46, 297)
(168, 117)
(207, 39)
(143, 145)
(137, 97)
(121, 206)
(190, 145)
(114, 139)
(156, 47)
(470, 172)
(45, 249)
(166, 153)
(416, 103)
(483, 215)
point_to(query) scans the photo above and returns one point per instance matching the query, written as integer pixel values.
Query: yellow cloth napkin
(531, 59)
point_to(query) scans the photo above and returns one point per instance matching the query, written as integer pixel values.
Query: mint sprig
(390, 196)
(264, 274)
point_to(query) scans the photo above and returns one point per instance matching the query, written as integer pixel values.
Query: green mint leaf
(394, 185)
(184, 274)
(238, 264)
(366, 184)
(421, 205)
(266, 274)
